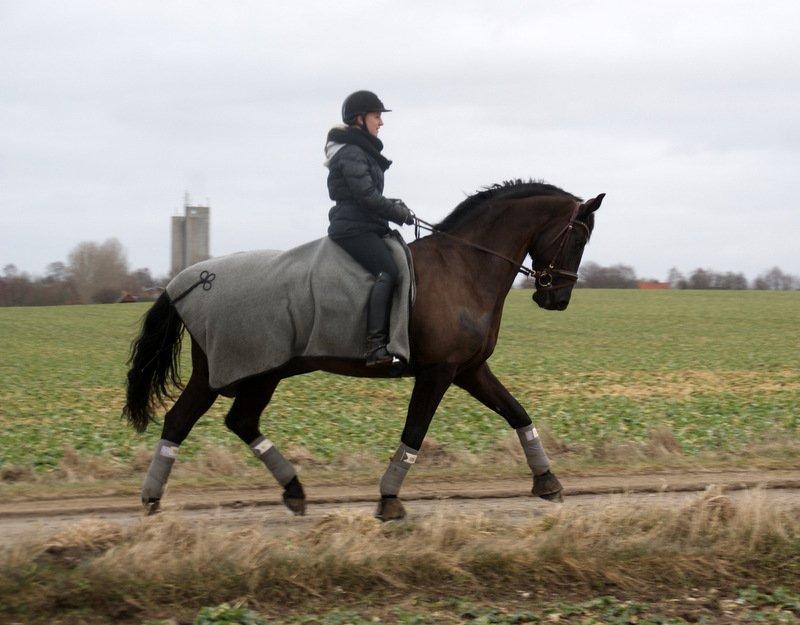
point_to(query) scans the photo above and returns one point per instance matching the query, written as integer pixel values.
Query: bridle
(551, 272)
(543, 278)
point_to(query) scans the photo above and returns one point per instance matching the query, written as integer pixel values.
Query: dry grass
(661, 446)
(16, 473)
(217, 460)
(662, 452)
(434, 454)
(356, 462)
(75, 466)
(663, 442)
(302, 456)
(710, 542)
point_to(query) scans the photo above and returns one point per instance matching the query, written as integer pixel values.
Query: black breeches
(371, 252)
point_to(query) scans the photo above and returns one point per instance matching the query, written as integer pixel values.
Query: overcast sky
(685, 113)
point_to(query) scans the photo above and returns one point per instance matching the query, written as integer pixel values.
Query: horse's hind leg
(243, 418)
(196, 398)
(487, 389)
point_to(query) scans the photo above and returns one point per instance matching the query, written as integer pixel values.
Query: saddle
(253, 312)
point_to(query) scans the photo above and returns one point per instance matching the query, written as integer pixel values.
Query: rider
(359, 220)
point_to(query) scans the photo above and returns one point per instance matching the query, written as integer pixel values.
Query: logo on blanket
(409, 458)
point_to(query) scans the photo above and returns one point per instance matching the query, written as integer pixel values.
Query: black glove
(406, 216)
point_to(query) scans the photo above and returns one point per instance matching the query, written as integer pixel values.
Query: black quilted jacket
(355, 183)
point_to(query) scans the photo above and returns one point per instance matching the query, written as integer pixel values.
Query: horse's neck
(507, 231)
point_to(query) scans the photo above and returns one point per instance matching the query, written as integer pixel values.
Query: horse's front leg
(487, 389)
(429, 387)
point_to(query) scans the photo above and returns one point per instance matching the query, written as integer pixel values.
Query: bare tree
(594, 276)
(14, 287)
(57, 272)
(700, 279)
(729, 281)
(676, 279)
(141, 279)
(776, 280)
(98, 270)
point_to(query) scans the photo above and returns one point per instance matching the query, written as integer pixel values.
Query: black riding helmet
(361, 103)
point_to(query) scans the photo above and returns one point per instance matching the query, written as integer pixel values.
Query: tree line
(95, 273)
(98, 273)
(594, 276)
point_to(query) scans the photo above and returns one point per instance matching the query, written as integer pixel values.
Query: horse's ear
(592, 205)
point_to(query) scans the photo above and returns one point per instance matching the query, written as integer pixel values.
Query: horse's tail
(154, 362)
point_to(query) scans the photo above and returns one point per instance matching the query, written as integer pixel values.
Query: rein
(542, 277)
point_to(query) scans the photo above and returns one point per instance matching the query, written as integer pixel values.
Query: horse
(463, 271)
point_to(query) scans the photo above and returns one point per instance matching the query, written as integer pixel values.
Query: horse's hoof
(296, 504)
(553, 497)
(547, 487)
(151, 506)
(390, 509)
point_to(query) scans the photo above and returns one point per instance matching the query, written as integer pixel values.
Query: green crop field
(718, 369)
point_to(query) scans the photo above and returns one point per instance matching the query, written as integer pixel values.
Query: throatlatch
(281, 469)
(397, 470)
(158, 473)
(534, 452)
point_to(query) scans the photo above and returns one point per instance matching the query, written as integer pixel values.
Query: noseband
(543, 278)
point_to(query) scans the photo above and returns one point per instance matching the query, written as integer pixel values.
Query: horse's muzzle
(552, 300)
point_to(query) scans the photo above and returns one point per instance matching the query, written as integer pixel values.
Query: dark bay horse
(463, 271)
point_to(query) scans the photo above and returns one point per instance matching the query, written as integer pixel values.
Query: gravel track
(506, 501)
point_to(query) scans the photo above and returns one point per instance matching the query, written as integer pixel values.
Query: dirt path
(505, 499)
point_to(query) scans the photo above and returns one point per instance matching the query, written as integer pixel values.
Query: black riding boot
(380, 300)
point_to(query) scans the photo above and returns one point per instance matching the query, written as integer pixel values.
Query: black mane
(509, 190)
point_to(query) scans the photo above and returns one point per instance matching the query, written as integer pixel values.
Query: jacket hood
(332, 147)
(341, 135)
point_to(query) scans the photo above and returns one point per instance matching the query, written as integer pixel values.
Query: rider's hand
(408, 217)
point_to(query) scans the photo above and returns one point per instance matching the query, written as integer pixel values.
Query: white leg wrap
(158, 473)
(534, 452)
(398, 468)
(281, 469)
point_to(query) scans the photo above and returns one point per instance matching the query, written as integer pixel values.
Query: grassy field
(717, 370)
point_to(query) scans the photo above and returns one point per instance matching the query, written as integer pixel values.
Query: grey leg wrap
(399, 465)
(281, 469)
(158, 473)
(534, 452)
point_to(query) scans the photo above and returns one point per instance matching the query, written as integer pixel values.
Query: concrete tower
(190, 235)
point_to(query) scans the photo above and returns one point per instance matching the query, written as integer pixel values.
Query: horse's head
(557, 253)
